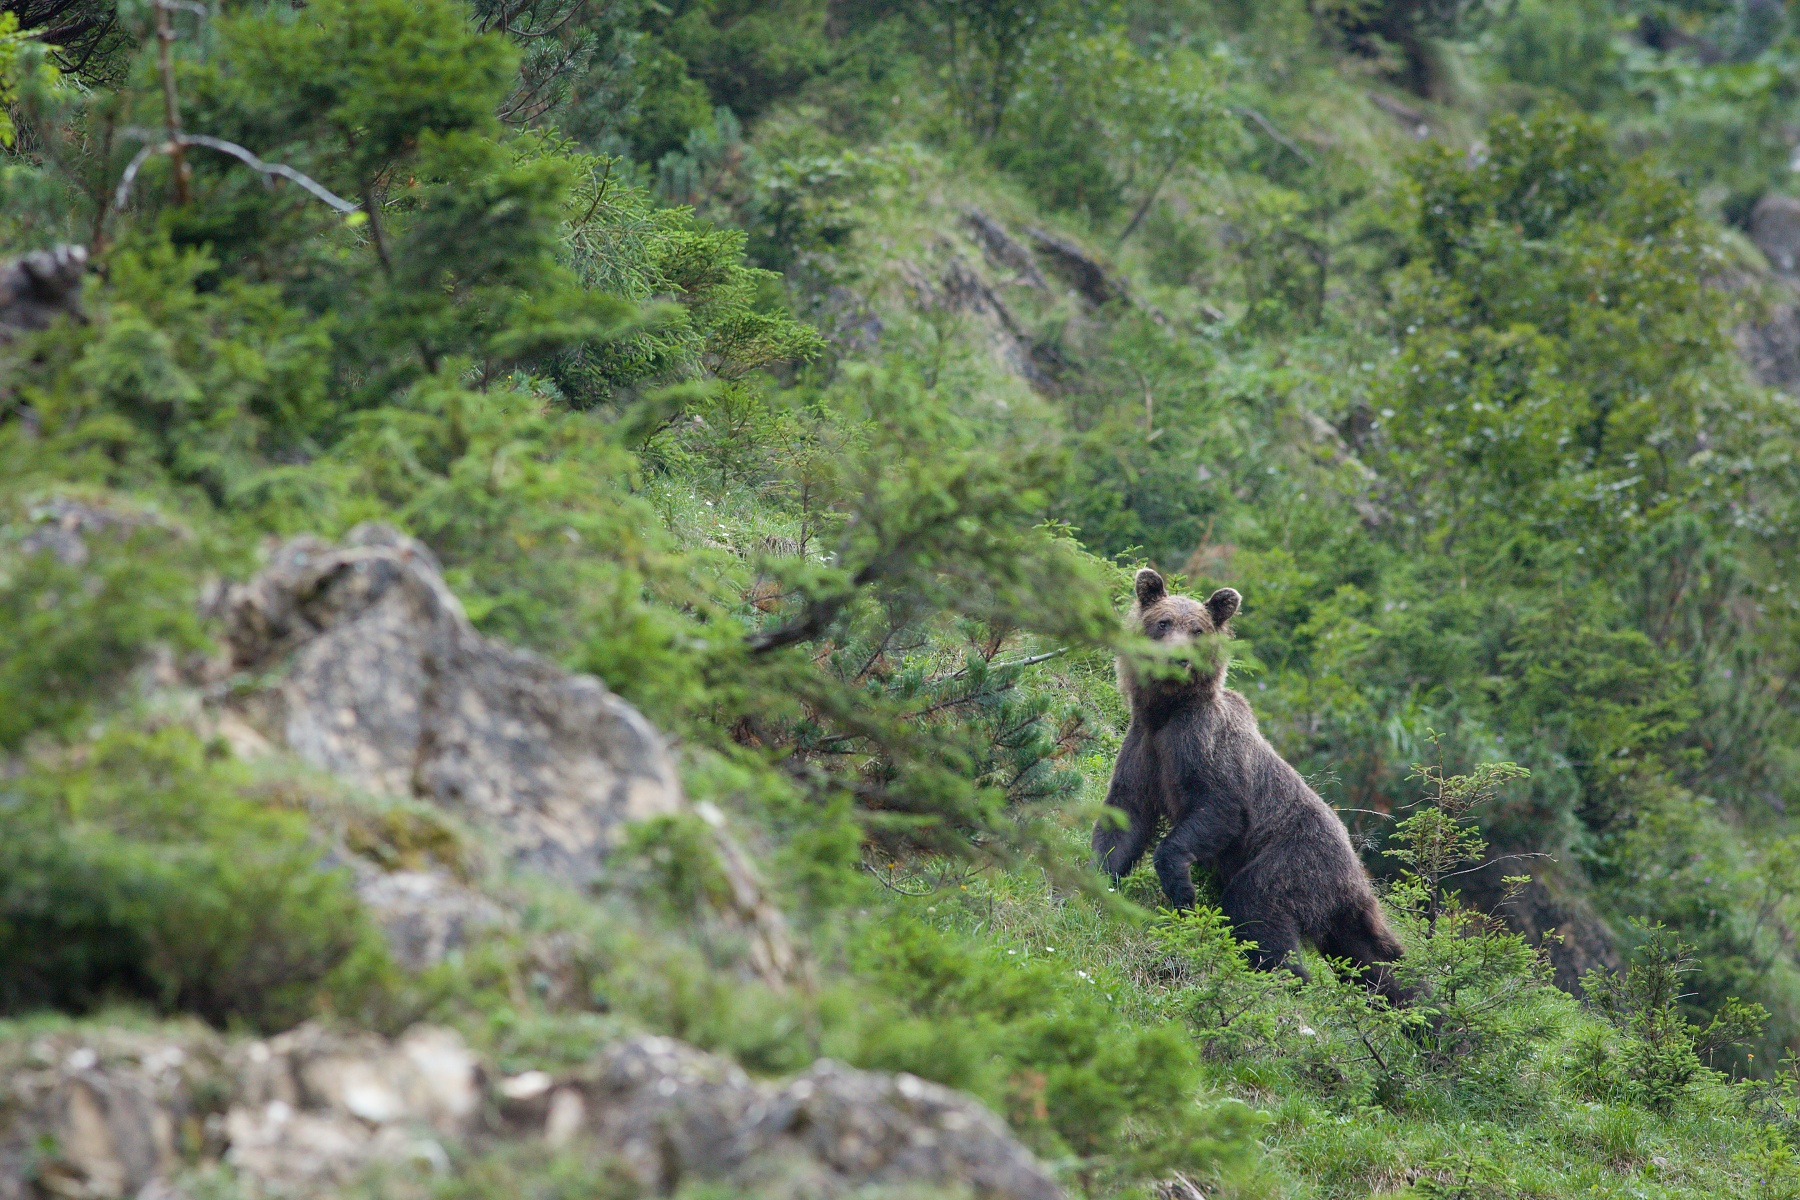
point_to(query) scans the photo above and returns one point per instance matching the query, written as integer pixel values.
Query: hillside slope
(814, 376)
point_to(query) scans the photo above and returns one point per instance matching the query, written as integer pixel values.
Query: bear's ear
(1222, 604)
(1150, 587)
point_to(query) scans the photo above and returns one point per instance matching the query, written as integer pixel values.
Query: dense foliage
(814, 374)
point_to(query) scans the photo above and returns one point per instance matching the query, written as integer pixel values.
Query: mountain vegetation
(816, 373)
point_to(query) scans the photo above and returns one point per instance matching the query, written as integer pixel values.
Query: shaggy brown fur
(1193, 757)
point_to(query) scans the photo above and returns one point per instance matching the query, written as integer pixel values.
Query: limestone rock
(62, 527)
(425, 914)
(311, 1108)
(1410, 118)
(1775, 228)
(1770, 343)
(362, 663)
(379, 678)
(960, 288)
(106, 1115)
(100, 1115)
(1771, 346)
(38, 287)
(1003, 251)
(1552, 902)
(669, 1112)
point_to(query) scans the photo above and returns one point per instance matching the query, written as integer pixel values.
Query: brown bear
(1192, 755)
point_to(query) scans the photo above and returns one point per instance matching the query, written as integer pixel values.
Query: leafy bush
(71, 631)
(1233, 1010)
(142, 869)
(1568, 47)
(1095, 121)
(1050, 1056)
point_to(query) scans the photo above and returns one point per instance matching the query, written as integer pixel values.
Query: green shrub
(1095, 121)
(71, 631)
(1051, 1056)
(1661, 1055)
(139, 868)
(749, 53)
(1233, 1010)
(1565, 46)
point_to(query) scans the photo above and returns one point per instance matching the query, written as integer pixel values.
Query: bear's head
(1176, 622)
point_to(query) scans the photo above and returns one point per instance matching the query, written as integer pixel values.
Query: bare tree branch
(1281, 139)
(249, 159)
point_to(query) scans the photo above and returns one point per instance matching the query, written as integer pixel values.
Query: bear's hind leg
(1256, 917)
(1359, 933)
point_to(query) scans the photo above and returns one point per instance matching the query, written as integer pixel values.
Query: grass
(1294, 1109)
(1549, 1141)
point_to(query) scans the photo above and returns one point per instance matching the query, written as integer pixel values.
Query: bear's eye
(1162, 626)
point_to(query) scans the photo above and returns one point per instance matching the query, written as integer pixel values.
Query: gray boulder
(425, 914)
(311, 1108)
(1770, 345)
(359, 660)
(38, 287)
(105, 1115)
(102, 1114)
(669, 1112)
(1775, 228)
(63, 527)
(367, 667)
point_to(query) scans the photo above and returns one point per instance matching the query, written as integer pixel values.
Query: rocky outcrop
(62, 527)
(104, 1115)
(1003, 251)
(1775, 228)
(1410, 118)
(359, 660)
(965, 291)
(1087, 275)
(960, 288)
(1770, 343)
(370, 670)
(38, 287)
(425, 914)
(311, 1108)
(1582, 941)
(668, 1113)
(1553, 912)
